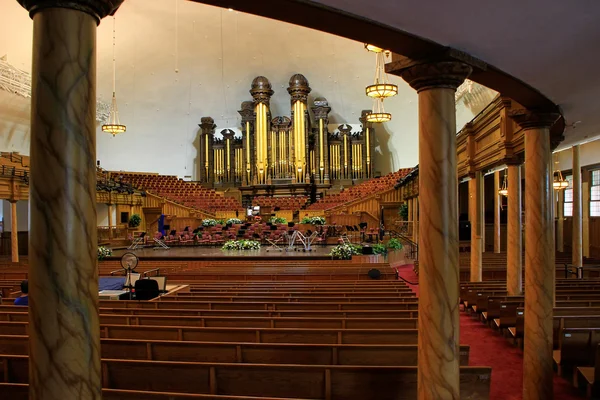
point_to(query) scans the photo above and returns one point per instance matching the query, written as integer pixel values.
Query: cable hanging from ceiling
(113, 125)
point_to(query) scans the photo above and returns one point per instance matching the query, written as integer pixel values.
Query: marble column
(514, 233)
(497, 203)
(110, 221)
(475, 217)
(14, 234)
(416, 219)
(560, 221)
(586, 218)
(410, 216)
(436, 83)
(539, 255)
(577, 210)
(64, 344)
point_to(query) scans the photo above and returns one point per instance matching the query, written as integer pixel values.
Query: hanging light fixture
(559, 183)
(112, 124)
(382, 88)
(372, 48)
(378, 114)
(503, 191)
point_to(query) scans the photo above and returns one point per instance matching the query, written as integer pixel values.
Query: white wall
(589, 154)
(22, 216)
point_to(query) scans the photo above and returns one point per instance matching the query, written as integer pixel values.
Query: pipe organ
(285, 155)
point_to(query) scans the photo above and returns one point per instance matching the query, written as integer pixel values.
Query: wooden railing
(169, 207)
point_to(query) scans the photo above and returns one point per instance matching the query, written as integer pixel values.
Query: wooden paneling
(595, 237)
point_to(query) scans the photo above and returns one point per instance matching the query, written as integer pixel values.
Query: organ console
(285, 155)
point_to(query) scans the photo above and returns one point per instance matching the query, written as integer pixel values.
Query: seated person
(23, 300)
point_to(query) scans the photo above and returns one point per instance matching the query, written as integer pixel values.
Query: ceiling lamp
(504, 189)
(559, 183)
(382, 88)
(112, 124)
(373, 48)
(378, 114)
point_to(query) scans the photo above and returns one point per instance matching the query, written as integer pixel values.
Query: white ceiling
(552, 45)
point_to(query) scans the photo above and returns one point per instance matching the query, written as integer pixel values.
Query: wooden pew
(589, 377)
(249, 335)
(20, 391)
(254, 353)
(314, 382)
(577, 348)
(239, 321)
(278, 299)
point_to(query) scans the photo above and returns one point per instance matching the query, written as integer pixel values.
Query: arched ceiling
(551, 46)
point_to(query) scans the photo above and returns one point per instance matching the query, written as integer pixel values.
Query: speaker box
(367, 250)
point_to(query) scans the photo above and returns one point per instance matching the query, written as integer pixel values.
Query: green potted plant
(135, 220)
(403, 212)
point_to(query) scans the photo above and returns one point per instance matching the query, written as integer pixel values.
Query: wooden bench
(20, 391)
(254, 353)
(314, 382)
(240, 321)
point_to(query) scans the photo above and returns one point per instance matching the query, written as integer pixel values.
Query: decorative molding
(16, 81)
(261, 90)
(96, 8)
(298, 88)
(528, 119)
(441, 74)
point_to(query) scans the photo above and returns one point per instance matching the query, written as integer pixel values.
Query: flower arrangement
(209, 222)
(234, 221)
(379, 249)
(394, 244)
(104, 252)
(241, 245)
(345, 251)
(135, 220)
(278, 220)
(313, 220)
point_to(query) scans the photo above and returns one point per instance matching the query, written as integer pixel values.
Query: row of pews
(576, 324)
(333, 338)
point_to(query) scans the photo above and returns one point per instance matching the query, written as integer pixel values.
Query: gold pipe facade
(321, 155)
(248, 169)
(368, 147)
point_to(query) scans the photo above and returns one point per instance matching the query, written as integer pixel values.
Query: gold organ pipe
(228, 159)
(248, 149)
(368, 143)
(206, 155)
(321, 162)
(345, 156)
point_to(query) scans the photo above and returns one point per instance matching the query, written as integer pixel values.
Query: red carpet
(489, 348)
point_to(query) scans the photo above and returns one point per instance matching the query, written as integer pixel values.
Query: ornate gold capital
(437, 74)
(96, 8)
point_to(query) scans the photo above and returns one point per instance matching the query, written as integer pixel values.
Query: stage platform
(216, 254)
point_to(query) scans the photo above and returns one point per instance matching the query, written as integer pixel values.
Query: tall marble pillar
(410, 216)
(64, 330)
(539, 255)
(497, 203)
(577, 210)
(14, 234)
(416, 219)
(436, 83)
(514, 233)
(476, 216)
(560, 221)
(110, 221)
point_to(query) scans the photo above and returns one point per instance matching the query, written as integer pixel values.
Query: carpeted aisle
(489, 348)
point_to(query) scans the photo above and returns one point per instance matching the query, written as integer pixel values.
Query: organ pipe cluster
(282, 150)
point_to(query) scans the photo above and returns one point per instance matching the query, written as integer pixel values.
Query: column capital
(435, 74)
(96, 8)
(528, 119)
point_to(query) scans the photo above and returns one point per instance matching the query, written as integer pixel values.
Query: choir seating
(293, 203)
(366, 188)
(333, 338)
(187, 193)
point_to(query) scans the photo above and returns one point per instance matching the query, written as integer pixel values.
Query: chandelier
(378, 114)
(381, 88)
(559, 183)
(504, 189)
(112, 124)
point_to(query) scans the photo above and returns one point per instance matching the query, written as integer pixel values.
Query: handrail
(203, 213)
(360, 199)
(414, 254)
(145, 273)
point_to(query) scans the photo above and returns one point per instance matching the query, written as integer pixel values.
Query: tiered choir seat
(284, 203)
(364, 189)
(189, 194)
